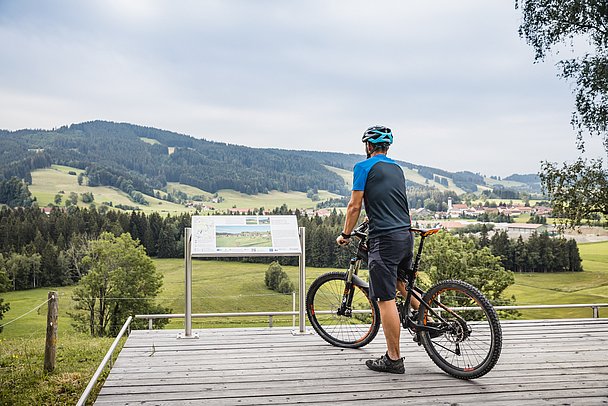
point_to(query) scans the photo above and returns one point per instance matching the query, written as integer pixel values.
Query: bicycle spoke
(351, 329)
(468, 347)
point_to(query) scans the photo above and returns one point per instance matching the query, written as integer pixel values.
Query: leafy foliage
(548, 24)
(578, 190)
(540, 253)
(277, 279)
(122, 281)
(448, 257)
(24, 270)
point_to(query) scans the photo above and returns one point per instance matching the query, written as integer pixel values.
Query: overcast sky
(451, 78)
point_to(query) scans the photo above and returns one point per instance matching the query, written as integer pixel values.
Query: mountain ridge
(121, 155)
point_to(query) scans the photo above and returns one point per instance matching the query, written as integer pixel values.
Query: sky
(453, 79)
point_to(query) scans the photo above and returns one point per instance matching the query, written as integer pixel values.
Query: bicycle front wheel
(472, 338)
(355, 327)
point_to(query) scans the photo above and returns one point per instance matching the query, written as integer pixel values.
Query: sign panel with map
(214, 236)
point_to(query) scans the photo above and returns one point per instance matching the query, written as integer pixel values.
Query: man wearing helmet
(380, 184)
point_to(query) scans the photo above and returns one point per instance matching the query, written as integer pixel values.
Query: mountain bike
(454, 321)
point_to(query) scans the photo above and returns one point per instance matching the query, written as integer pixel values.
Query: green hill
(137, 166)
(50, 182)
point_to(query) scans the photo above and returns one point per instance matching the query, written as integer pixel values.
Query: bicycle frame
(412, 291)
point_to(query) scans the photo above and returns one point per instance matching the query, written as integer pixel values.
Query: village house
(525, 228)
(542, 211)
(240, 211)
(452, 225)
(421, 213)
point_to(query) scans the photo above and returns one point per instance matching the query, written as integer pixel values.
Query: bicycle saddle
(425, 232)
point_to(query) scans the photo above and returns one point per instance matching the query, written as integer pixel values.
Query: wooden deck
(545, 362)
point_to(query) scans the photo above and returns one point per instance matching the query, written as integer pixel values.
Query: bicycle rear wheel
(351, 330)
(472, 340)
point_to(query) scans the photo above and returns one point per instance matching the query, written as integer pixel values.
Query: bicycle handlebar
(361, 230)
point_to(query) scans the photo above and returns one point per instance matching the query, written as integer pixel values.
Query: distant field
(293, 200)
(187, 189)
(46, 183)
(590, 286)
(344, 174)
(505, 183)
(150, 141)
(270, 200)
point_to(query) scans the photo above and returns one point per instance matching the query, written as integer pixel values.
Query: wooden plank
(254, 386)
(338, 393)
(542, 362)
(352, 374)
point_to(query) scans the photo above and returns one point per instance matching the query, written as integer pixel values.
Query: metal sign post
(188, 267)
(302, 284)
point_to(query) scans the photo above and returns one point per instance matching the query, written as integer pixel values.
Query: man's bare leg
(402, 289)
(391, 326)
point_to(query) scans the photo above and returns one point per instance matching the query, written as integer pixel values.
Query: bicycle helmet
(378, 135)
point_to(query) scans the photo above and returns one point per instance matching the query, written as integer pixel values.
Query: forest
(38, 249)
(117, 154)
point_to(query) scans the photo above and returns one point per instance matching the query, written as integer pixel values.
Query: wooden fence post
(50, 347)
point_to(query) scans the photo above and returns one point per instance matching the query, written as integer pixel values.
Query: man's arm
(352, 215)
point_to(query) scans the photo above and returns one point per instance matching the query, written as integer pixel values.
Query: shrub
(277, 280)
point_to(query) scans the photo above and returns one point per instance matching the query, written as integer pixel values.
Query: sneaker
(385, 364)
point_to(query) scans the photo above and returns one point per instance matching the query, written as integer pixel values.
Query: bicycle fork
(346, 308)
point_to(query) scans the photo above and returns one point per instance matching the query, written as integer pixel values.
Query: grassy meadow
(46, 183)
(221, 286)
(590, 286)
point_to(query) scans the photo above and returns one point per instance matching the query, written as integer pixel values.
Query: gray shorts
(389, 255)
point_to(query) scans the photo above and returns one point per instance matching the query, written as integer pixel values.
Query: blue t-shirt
(383, 184)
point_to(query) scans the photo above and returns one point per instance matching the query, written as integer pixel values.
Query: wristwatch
(346, 236)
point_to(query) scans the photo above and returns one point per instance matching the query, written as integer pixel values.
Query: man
(380, 183)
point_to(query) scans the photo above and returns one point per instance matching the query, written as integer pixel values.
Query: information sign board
(230, 236)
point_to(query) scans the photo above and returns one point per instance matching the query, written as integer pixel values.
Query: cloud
(452, 77)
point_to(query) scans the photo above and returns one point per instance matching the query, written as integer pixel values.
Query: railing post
(302, 232)
(293, 309)
(188, 266)
(149, 324)
(596, 312)
(50, 347)
(270, 321)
